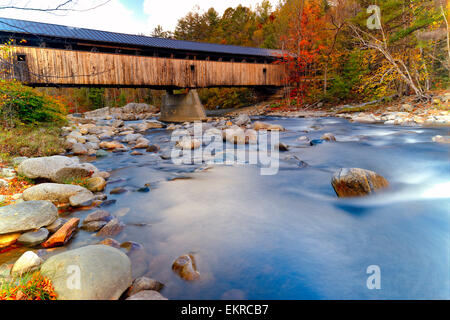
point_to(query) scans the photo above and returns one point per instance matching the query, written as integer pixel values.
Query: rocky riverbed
(118, 208)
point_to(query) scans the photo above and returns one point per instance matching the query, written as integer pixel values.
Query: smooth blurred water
(288, 236)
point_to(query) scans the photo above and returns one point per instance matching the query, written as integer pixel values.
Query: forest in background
(337, 51)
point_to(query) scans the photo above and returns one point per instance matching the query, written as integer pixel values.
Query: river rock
(111, 145)
(353, 182)
(111, 229)
(131, 137)
(142, 143)
(242, 119)
(153, 148)
(441, 139)
(59, 193)
(147, 295)
(79, 149)
(328, 137)
(55, 226)
(118, 190)
(186, 268)
(27, 216)
(7, 240)
(188, 143)
(33, 238)
(63, 235)
(27, 262)
(55, 168)
(93, 226)
(99, 215)
(105, 273)
(110, 242)
(144, 283)
(258, 125)
(96, 184)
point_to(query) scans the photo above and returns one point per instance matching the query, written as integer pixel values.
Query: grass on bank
(30, 141)
(29, 286)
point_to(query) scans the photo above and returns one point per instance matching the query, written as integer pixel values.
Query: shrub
(20, 104)
(226, 98)
(30, 286)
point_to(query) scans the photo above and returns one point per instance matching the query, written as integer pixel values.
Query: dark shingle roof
(59, 31)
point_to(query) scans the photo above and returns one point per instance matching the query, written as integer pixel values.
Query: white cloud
(113, 16)
(167, 12)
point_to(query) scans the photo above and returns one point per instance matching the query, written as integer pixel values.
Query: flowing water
(288, 236)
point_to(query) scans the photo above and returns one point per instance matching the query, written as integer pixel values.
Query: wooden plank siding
(79, 68)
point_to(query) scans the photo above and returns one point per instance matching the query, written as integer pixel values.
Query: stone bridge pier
(182, 107)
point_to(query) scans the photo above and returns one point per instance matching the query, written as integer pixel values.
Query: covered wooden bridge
(44, 54)
(47, 54)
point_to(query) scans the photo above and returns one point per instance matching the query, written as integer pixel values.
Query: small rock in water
(107, 203)
(153, 148)
(144, 283)
(143, 189)
(63, 235)
(147, 295)
(354, 182)
(118, 190)
(55, 226)
(28, 262)
(33, 238)
(101, 153)
(136, 153)
(441, 139)
(111, 229)
(328, 137)
(316, 142)
(282, 147)
(99, 215)
(186, 268)
(110, 242)
(96, 184)
(93, 226)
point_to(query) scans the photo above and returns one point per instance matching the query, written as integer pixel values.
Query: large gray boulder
(96, 272)
(55, 168)
(59, 193)
(26, 216)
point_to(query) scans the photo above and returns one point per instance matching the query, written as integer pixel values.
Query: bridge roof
(66, 32)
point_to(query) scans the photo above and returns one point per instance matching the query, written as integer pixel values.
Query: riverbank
(405, 111)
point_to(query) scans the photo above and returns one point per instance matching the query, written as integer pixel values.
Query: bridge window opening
(264, 70)
(192, 67)
(21, 57)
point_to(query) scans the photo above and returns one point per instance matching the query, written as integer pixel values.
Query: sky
(125, 16)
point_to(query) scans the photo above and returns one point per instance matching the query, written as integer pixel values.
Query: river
(288, 236)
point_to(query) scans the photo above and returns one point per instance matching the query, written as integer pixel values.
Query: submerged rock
(186, 268)
(111, 229)
(441, 139)
(104, 273)
(144, 283)
(328, 137)
(354, 182)
(27, 216)
(33, 238)
(147, 295)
